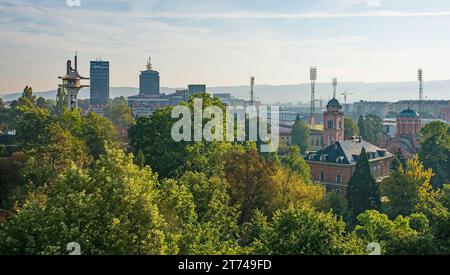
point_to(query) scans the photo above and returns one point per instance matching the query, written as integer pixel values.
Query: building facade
(196, 89)
(406, 139)
(334, 165)
(149, 81)
(99, 83)
(333, 123)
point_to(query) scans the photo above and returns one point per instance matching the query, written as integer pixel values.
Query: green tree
(362, 127)
(27, 98)
(60, 153)
(337, 203)
(42, 103)
(250, 178)
(197, 209)
(363, 190)
(407, 188)
(168, 158)
(31, 128)
(304, 231)
(351, 129)
(374, 128)
(300, 134)
(97, 132)
(435, 151)
(120, 115)
(296, 164)
(402, 236)
(110, 209)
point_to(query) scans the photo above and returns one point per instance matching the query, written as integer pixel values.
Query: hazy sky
(223, 42)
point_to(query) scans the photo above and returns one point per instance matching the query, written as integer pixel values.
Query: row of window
(323, 177)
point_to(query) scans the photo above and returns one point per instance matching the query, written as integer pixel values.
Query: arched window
(322, 176)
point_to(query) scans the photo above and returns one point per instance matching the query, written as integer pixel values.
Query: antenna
(76, 60)
(420, 78)
(335, 82)
(313, 78)
(345, 94)
(149, 64)
(252, 87)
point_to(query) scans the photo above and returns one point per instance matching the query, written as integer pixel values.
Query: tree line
(72, 179)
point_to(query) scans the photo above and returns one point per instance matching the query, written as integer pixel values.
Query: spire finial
(76, 60)
(149, 64)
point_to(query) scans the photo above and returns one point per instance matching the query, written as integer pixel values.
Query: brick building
(335, 165)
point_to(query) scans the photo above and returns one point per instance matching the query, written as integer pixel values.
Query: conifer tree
(363, 190)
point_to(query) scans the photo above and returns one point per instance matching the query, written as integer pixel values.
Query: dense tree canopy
(351, 128)
(374, 128)
(300, 134)
(363, 190)
(70, 180)
(435, 151)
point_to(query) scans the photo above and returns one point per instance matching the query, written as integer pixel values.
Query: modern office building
(196, 89)
(99, 83)
(149, 81)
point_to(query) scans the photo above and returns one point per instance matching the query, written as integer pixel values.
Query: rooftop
(347, 152)
(409, 113)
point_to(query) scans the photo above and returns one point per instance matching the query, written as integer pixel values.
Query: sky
(224, 42)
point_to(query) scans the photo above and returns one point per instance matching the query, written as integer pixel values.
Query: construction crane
(345, 94)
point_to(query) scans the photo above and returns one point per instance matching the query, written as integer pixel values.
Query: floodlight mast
(335, 82)
(252, 91)
(313, 78)
(420, 78)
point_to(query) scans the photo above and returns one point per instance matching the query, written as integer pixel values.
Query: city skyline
(222, 44)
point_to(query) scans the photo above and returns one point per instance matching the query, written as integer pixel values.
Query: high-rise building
(196, 89)
(149, 81)
(99, 83)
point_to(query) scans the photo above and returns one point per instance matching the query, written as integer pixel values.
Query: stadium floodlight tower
(335, 82)
(313, 78)
(71, 82)
(420, 78)
(252, 91)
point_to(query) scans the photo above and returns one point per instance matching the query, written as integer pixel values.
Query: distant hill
(388, 91)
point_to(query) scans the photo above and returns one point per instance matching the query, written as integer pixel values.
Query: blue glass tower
(149, 81)
(99, 83)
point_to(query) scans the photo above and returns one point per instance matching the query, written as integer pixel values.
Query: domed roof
(333, 103)
(409, 113)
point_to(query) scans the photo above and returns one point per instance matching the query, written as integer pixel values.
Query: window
(340, 159)
(322, 176)
(330, 124)
(338, 178)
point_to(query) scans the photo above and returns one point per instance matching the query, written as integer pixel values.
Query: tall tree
(351, 129)
(110, 210)
(27, 97)
(362, 127)
(300, 134)
(374, 128)
(435, 151)
(407, 188)
(250, 178)
(167, 157)
(363, 190)
(304, 231)
(120, 115)
(402, 236)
